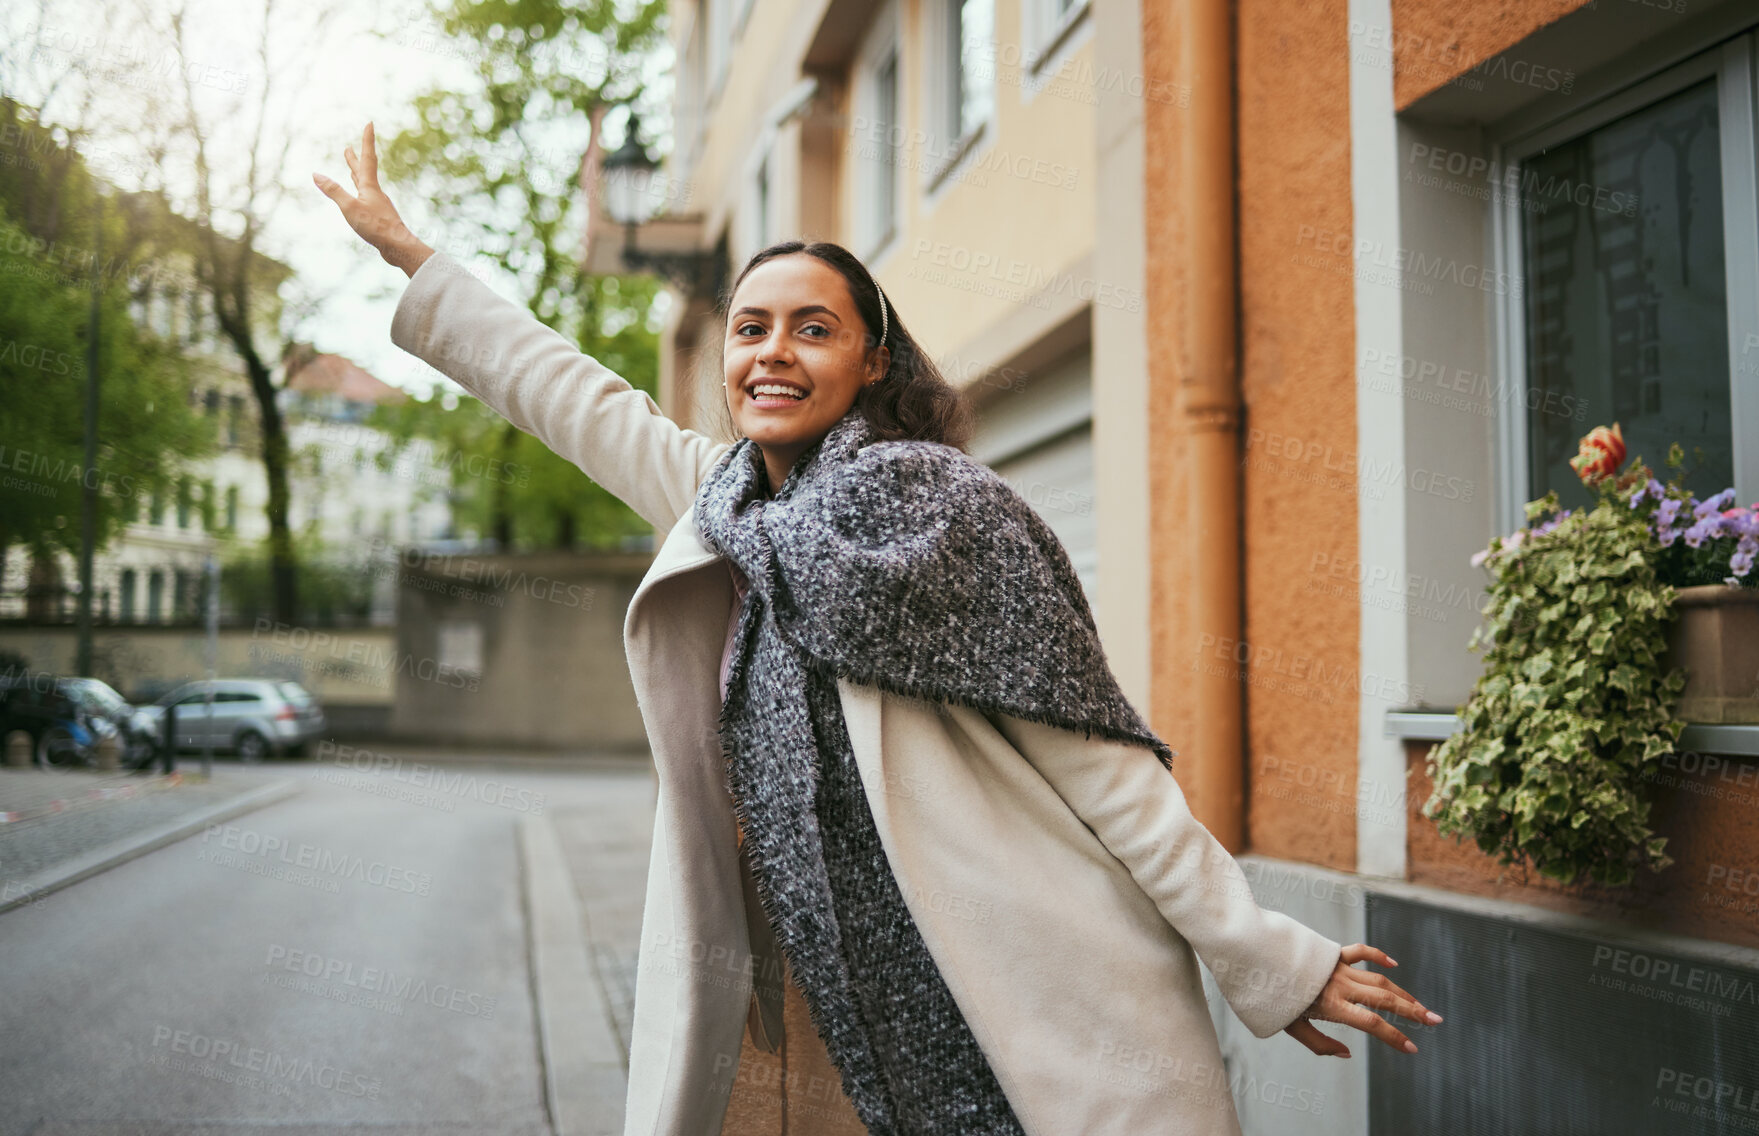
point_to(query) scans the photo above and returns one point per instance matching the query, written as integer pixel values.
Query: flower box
(1716, 641)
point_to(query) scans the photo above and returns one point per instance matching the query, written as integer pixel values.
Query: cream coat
(1061, 884)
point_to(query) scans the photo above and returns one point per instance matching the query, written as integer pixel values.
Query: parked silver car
(255, 717)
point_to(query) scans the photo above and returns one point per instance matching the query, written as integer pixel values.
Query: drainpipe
(1209, 411)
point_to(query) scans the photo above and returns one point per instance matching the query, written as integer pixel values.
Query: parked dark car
(137, 729)
(62, 730)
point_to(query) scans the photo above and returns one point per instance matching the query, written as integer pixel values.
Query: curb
(585, 1082)
(109, 856)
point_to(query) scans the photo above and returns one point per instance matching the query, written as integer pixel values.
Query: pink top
(740, 586)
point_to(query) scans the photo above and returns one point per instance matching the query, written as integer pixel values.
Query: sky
(378, 57)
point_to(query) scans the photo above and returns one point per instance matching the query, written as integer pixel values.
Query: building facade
(979, 189)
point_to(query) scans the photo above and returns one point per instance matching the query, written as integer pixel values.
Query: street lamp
(634, 194)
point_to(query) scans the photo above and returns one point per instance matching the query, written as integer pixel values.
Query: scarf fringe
(922, 693)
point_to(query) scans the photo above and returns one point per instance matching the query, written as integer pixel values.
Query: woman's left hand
(1352, 996)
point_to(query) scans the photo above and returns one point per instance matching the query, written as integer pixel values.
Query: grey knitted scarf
(913, 568)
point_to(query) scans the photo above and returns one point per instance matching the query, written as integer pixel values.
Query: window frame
(882, 44)
(952, 144)
(1047, 33)
(1730, 63)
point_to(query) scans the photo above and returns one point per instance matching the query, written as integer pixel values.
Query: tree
(237, 189)
(505, 483)
(510, 165)
(147, 431)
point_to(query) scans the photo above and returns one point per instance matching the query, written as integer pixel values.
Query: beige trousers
(795, 1091)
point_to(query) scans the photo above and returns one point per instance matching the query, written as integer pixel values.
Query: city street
(359, 954)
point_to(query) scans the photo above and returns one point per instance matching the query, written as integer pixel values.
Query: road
(357, 955)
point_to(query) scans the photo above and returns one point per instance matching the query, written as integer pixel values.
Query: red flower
(1600, 454)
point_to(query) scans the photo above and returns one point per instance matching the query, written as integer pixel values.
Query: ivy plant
(1574, 707)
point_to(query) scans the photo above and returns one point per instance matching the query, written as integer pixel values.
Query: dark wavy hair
(912, 400)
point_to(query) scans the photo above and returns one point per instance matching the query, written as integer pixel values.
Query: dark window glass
(1627, 305)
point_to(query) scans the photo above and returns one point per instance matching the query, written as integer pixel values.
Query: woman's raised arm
(524, 370)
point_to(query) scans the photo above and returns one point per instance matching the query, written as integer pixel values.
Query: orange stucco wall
(1297, 381)
(1170, 707)
(1435, 41)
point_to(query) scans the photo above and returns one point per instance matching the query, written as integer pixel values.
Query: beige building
(983, 158)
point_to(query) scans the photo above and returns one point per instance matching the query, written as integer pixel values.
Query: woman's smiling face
(796, 355)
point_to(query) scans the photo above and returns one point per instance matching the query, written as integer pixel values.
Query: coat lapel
(695, 945)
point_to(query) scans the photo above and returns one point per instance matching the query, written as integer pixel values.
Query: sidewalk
(586, 870)
(60, 826)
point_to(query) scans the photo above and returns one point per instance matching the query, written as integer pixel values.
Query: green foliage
(335, 585)
(146, 428)
(503, 157)
(1574, 707)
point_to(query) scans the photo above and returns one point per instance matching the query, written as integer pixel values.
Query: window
(127, 598)
(211, 403)
(718, 40)
(183, 504)
(156, 509)
(1630, 232)
(885, 182)
(179, 593)
(692, 99)
(156, 595)
(878, 137)
(1048, 25)
(231, 508)
(763, 202)
(234, 417)
(971, 66)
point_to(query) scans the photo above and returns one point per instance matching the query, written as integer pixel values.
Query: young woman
(918, 866)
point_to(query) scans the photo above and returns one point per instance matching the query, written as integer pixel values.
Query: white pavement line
(129, 847)
(584, 1081)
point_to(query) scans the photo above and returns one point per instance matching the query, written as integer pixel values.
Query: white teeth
(774, 389)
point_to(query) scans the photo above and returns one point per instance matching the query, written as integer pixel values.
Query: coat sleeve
(1268, 966)
(546, 386)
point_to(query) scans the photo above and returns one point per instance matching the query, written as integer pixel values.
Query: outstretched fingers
(1383, 993)
(369, 157)
(1322, 1044)
(1370, 1022)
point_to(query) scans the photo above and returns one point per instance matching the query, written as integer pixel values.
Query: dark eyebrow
(807, 310)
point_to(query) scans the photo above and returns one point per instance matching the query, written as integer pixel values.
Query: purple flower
(1652, 490)
(1741, 563)
(1665, 513)
(1714, 504)
(1547, 526)
(1697, 534)
(1741, 522)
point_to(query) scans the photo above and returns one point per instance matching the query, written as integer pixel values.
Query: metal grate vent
(1550, 1032)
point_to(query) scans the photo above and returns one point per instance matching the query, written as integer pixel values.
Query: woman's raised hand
(371, 214)
(1352, 996)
